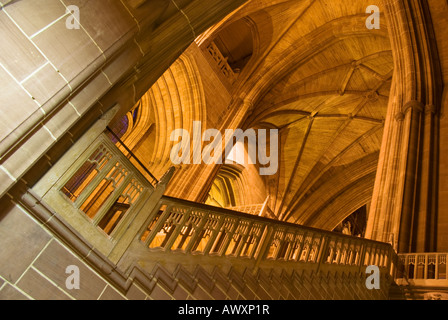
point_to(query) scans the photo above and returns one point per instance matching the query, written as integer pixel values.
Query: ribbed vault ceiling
(323, 79)
(318, 75)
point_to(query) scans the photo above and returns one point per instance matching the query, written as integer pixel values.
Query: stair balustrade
(184, 227)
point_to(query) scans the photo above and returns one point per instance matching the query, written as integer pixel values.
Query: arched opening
(355, 224)
(227, 189)
(235, 43)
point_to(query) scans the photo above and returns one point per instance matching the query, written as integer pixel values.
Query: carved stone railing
(104, 185)
(423, 266)
(99, 192)
(132, 157)
(221, 62)
(180, 227)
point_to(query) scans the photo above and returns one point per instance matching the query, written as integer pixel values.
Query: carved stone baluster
(243, 239)
(215, 233)
(290, 248)
(177, 229)
(338, 247)
(300, 246)
(281, 242)
(160, 222)
(199, 232)
(310, 247)
(229, 237)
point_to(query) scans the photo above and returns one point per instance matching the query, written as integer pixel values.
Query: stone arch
(173, 102)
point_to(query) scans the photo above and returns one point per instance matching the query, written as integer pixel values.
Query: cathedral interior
(99, 97)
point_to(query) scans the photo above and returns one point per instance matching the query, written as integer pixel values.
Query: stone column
(413, 128)
(426, 231)
(404, 202)
(387, 198)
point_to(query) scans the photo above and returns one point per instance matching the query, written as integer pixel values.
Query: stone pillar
(386, 205)
(426, 233)
(413, 128)
(418, 217)
(404, 203)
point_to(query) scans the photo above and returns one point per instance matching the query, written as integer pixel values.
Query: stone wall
(54, 76)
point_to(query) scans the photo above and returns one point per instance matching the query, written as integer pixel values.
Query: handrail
(235, 213)
(155, 181)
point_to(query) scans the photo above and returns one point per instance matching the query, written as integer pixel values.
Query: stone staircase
(200, 284)
(176, 249)
(193, 251)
